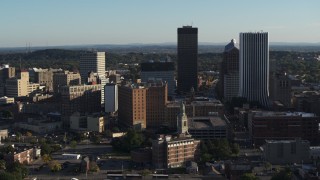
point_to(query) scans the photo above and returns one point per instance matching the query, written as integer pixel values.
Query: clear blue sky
(72, 22)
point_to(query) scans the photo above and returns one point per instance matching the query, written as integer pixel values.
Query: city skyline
(57, 23)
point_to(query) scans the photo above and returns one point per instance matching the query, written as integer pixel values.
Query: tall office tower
(254, 67)
(111, 98)
(229, 74)
(94, 62)
(187, 59)
(155, 71)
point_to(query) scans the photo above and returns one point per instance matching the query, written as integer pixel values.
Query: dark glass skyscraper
(187, 59)
(254, 67)
(229, 73)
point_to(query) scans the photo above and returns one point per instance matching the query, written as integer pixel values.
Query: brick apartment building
(266, 125)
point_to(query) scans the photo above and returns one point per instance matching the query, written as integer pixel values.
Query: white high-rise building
(94, 62)
(111, 98)
(254, 67)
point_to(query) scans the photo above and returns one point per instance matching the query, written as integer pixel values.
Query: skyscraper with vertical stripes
(254, 67)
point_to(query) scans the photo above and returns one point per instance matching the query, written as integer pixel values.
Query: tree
(206, 157)
(203, 147)
(248, 176)
(283, 174)
(107, 133)
(93, 167)
(45, 149)
(73, 144)
(128, 142)
(46, 158)
(2, 164)
(18, 169)
(18, 136)
(96, 139)
(65, 138)
(55, 166)
(28, 134)
(115, 129)
(145, 172)
(9, 149)
(267, 166)
(7, 176)
(235, 149)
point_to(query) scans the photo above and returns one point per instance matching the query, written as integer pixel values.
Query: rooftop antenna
(20, 62)
(29, 48)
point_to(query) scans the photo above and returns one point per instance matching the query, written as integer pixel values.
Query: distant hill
(170, 47)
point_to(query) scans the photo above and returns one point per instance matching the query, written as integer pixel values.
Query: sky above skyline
(79, 22)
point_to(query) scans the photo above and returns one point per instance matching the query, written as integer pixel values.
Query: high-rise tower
(229, 73)
(187, 59)
(93, 62)
(254, 67)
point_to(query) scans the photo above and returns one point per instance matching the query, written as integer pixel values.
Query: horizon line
(153, 44)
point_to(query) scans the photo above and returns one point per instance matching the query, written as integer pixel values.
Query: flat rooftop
(197, 102)
(284, 141)
(282, 114)
(208, 122)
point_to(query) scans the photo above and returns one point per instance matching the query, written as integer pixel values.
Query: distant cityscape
(190, 110)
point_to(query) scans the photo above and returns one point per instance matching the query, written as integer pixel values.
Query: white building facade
(94, 62)
(111, 98)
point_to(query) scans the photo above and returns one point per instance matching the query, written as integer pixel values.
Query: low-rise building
(142, 156)
(170, 152)
(94, 122)
(22, 154)
(269, 125)
(3, 134)
(6, 100)
(195, 108)
(40, 125)
(286, 151)
(315, 152)
(32, 87)
(307, 101)
(209, 127)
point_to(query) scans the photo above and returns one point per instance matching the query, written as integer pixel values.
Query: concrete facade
(65, 78)
(286, 151)
(92, 122)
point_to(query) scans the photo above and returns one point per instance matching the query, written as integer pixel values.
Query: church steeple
(182, 120)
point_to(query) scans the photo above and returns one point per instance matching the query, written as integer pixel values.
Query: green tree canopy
(248, 176)
(55, 166)
(283, 174)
